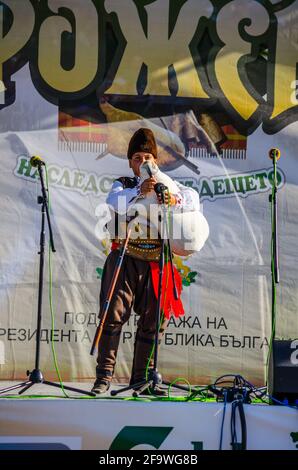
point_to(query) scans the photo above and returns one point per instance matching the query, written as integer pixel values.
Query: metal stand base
(36, 377)
(154, 378)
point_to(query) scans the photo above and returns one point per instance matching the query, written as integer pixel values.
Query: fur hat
(143, 140)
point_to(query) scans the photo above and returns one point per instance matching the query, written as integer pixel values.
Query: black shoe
(100, 386)
(154, 392)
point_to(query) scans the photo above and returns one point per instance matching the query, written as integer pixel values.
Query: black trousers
(134, 290)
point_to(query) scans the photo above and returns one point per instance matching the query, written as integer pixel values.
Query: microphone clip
(274, 154)
(36, 161)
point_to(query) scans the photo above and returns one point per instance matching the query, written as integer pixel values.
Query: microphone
(159, 189)
(36, 161)
(274, 153)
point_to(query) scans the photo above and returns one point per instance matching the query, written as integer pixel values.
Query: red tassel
(114, 246)
(169, 305)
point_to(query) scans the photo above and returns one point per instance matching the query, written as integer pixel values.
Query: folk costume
(137, 284)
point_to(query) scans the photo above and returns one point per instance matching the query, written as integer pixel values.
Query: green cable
(53, 324)
(161, 321)
(51, 300)
(273, 317)
(26, 397)
(181, 379)
(138, 399)
(203, 391)
(273, 230)
(162, 317)
(52, 315)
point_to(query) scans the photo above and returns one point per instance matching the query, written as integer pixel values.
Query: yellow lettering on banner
(156, 49)
(285, 60)
(235, 48)
(86, 46)
(19, 33)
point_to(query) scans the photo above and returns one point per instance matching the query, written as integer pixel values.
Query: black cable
(238, 405)
(238, 393)
(233, 426)
(234, 384)
(223, 420)
(243, 426)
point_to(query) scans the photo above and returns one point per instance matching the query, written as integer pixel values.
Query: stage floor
(43, 390)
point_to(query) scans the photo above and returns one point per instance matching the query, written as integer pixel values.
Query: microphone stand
(154, 376)
(274, 243)
(275, 278)
(36, 376)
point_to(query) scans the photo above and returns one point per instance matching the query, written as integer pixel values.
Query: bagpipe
(188, 229)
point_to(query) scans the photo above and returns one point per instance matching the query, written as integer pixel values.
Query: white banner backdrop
(227, 307)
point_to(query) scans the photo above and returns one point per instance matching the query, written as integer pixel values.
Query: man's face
(138, 158)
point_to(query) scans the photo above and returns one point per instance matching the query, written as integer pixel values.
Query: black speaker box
(283, 371)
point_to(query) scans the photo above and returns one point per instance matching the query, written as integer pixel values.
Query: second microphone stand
(36, 375)
(274, 154)
(274, 240)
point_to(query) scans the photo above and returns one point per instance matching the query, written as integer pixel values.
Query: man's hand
(148, 185)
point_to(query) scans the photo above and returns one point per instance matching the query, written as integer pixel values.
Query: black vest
(127, 182)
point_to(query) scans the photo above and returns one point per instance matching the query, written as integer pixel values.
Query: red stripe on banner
(235, 140)
(79, 130)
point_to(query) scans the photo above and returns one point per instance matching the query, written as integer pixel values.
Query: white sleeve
(121, 199)
(188, 198)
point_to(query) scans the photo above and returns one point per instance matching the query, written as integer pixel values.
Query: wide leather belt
(147, 250)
